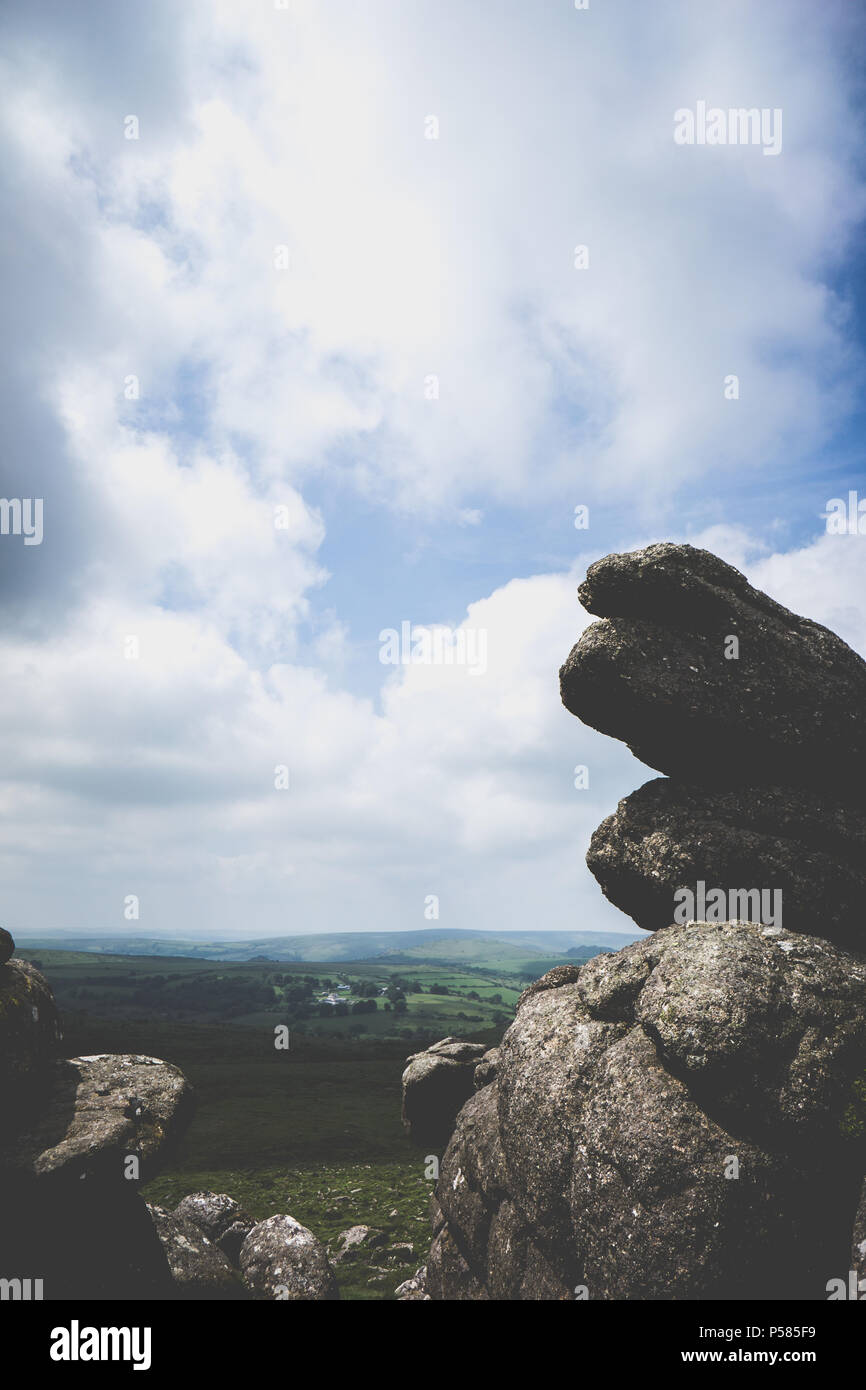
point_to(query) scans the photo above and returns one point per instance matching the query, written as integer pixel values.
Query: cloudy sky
(314, 356)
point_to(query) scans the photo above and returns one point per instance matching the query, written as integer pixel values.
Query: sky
(300, 347)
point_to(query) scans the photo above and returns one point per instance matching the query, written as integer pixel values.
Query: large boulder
(668, 835)
(97, 1113)
(281, 1259)
(674, 1123)
(77, 1138)
(219, 1217)
(790, 710)
(198, 1268)
(436, 1083)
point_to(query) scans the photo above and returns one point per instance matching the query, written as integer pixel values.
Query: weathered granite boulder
(197, 1267)
(216, 1214)
(98, 1112)
(359, 1238)
(413, 1290)
(668, 835)
(436, 1082)
(77, 1138)
(789, 710)
(672, 1124)
(281, 1259)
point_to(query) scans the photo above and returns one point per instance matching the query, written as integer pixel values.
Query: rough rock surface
(98, 1111)
(214, 1213)
(281, 1259)
(436, 1082)
(602, 1156)
(485, 1070)
(413, 1290)
(68, 1129)
(29, 1033)
(198, 1268)
(668, 835)
(358, 1238)
(790, 710)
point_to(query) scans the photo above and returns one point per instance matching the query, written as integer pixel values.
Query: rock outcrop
(789, 710)
(686, 1118)
(670, 1125)
(78, 1137)
(666, 835)
(96, 1113)
(220, 1218)
(7, 945)
(436, 1083)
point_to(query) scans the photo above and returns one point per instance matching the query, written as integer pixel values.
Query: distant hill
(507, 951)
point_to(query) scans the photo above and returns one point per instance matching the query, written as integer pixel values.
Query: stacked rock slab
(686, 1118)
(788, 710)
(763, 739)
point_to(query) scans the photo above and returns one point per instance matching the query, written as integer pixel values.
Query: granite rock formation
(674, 1123)
(788, 710)
(686, 1118)
(436, 1083)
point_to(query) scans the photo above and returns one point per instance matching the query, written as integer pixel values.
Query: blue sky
(304, 133)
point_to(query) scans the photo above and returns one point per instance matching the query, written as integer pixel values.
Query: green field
(433, 999)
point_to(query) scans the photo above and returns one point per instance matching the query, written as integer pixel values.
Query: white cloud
(407, 257)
